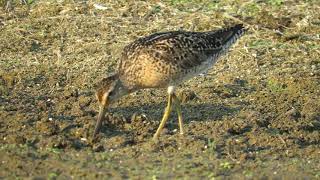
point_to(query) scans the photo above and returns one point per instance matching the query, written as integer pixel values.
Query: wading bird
(164, 60)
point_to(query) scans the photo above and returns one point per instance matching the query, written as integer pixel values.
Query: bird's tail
(225, 37)
(232, 33)
(229, 35)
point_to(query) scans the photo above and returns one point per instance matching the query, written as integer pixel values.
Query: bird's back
(168, 58)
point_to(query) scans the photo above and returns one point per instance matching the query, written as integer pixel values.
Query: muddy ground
(256, 114)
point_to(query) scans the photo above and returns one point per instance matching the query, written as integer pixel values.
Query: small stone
(187, 95)
(98, 148)
(293, 113)
(84, 101)
(139, 118)
(18, 139)
(59, 142)
(71, 93)
(47, 127)
(164, 131)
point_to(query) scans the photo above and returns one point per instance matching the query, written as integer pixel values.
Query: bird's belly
(203, 67)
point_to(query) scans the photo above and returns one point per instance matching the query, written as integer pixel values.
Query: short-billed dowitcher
(164, 60)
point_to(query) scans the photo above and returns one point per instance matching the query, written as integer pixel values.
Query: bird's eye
(111, 93)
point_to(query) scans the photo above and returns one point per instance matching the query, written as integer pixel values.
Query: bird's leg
(164, 118)
(178, 108)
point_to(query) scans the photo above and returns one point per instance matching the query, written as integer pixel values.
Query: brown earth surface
(255, 115)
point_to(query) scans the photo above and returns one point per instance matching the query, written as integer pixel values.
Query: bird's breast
(146, 72)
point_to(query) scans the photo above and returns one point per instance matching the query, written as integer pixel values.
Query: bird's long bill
(102, 112)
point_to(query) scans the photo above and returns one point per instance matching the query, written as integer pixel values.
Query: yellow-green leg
(178, 108)
(164, 118)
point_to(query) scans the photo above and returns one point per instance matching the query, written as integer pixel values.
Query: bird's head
(109, 90)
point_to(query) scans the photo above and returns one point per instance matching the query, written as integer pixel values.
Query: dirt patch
(256, 114)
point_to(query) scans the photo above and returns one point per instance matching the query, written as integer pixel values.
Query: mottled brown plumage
(164, 60)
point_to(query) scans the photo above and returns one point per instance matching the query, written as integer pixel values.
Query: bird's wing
(184, 49)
